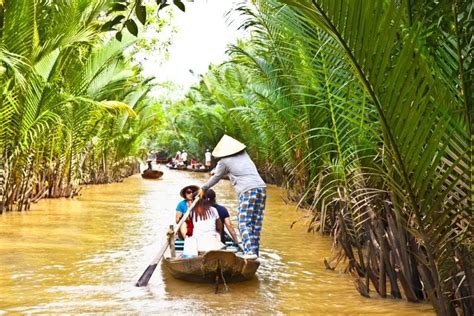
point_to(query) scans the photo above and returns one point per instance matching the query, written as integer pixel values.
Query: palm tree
(56, 108)
(427, 141)
(376, 132)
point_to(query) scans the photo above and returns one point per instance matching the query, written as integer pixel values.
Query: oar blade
(143, 281)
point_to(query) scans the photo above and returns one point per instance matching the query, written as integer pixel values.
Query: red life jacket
(189, 226)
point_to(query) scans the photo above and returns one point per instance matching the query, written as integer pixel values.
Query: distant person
(149, 164)
(184, 157)
(223, 215)
(207, 159)
(194, 163)
(249, 186)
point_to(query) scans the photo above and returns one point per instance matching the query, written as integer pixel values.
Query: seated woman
(193, 163)
(182, 207)
(207, 229)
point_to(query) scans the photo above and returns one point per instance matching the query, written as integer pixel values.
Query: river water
(84, 255)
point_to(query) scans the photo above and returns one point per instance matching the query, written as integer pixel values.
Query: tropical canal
(84, 255)
(361, 113)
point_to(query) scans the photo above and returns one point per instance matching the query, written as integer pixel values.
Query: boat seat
(179, 245)
(230, 246)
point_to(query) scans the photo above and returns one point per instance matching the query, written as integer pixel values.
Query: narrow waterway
(84, 256)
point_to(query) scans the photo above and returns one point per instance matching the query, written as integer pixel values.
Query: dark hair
(211, 196)
(202, 210)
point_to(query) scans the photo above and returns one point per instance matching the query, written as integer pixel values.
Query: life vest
(189, 226)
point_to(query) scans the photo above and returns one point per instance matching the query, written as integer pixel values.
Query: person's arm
(221, 170)
(180, 210)
(178, 216)
(230, 228)
(218, 226)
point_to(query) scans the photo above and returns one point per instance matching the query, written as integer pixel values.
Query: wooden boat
(152, 174)
(190, 168)
(185, 168)
(162, 156)
(216, 266)
(175, 167)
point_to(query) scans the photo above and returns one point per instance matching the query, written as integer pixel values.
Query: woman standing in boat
(249, 186)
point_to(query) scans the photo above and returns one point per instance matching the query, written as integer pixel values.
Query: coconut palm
(57, 106)
(427, 141)
(377, 132)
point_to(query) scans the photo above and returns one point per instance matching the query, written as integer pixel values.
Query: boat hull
(212, 265)
(152, 174)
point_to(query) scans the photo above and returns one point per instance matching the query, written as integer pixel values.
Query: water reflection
(84, 255)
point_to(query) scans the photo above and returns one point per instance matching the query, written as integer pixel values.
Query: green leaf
(109, 25)
(119, 7)
(140, 11)
(132, 27)
(162, 6)
(180, 5)
(118, 19)
(118, 36)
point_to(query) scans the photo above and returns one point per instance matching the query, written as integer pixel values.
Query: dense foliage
(363, 109)
(72, 106)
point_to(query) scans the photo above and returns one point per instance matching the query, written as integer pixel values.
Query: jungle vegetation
(363, 111)
(73, 107)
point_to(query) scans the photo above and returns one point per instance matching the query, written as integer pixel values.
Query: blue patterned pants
(251, 208)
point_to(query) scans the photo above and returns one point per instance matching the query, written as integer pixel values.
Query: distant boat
(175, 167)
(196, 169)
(185, 168)
(152, 174)
(162, 156)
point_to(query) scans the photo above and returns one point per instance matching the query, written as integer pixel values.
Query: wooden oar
(143, 281)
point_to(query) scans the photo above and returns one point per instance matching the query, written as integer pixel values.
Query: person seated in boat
(182, 207)
(184, 158)
(223, 216)
(207, 228)
(194, 163)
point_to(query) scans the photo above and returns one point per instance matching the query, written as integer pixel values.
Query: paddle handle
(143, 281)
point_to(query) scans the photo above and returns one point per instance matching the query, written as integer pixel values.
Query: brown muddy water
(84, 256)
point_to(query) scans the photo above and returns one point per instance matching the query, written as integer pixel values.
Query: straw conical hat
(193, 188)
(227, 146)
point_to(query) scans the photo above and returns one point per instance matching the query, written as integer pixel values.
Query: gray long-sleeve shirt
(242, 173)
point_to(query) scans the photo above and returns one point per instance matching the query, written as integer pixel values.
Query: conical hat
(227, 146)
(193, 188)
